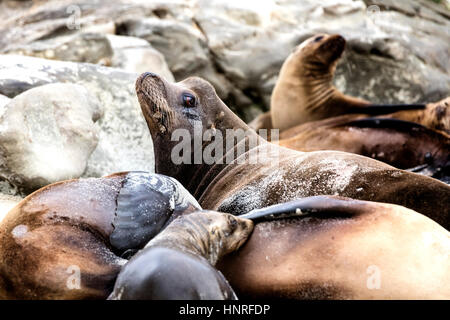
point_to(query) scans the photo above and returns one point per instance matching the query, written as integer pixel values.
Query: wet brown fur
(402, 148)
(224, 186)
(67, 225)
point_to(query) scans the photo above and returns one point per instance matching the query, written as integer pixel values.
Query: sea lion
(230, 185)
(402, 144)
(179, 262)
(65, 240)
(304, 91)
(322, 247)
(339, 248)
(436, 115)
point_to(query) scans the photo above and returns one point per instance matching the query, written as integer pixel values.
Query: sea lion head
(227, 229)
(437, 115)
(187, 109)
(320, 52)
(210, 234)
(168, 106)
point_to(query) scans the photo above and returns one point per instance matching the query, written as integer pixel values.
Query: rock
(47, 135)
(124, 140)
(398, 50)
(136, 55)
(7, 202)
(3, 101)
(391, 57)
(184, 47)
(80, 47)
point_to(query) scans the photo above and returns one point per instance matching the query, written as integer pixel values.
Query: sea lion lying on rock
(65, 240)
(191, 110)
(304, 92)
(402, 144)
(179, 262)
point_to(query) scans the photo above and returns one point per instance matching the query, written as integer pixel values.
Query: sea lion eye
(188, 100)
(232, 223)
(317, 39)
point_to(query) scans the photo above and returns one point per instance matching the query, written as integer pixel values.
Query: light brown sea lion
(342, 249)
(304, 91)
(402, 144)
(321, 247)
(65, 240)
(179, 262)
(281, 174)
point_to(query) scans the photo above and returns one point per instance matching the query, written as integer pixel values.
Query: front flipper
(307, 206)
(379, 109)
(146, 203)
(387, 123)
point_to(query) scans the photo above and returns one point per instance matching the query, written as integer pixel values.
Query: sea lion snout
(152, 95)
(332, 47)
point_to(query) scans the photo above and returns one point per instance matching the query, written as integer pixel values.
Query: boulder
(136, 55)
(3, 102)
(47, 135)
(79, 47)
(397, 50)
(124, 142)
(7, 202)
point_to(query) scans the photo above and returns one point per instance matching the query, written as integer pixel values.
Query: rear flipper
(386, 123)
(146, 203)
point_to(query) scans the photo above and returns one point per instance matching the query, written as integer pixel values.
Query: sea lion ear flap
(146, 202)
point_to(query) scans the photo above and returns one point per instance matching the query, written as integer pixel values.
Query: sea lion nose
(145, 75)
(149, 74)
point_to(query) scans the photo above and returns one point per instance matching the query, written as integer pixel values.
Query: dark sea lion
(338, 248)
(304, 91)
(281, 174)
(65, 240)
(179, 262)
(402, 144)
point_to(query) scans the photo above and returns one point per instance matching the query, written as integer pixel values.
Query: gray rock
(136, 55)
(398, 50)
(47, 135)
(79, 47)
(124, 140)
(7, 202)
(392, 56)
(3, 102)
(184, 46)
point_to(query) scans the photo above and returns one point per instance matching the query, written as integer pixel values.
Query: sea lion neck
(193, 131)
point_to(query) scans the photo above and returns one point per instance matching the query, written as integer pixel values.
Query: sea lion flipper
(379, 109)
(387, 123)
(305, 206)
(146, 202)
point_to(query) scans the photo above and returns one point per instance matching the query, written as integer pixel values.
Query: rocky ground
(67, 69)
